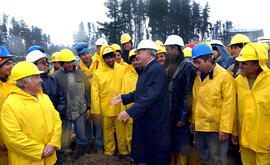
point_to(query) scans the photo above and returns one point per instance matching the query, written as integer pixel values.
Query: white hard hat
(101, 41)
(147, 44)
(34, 56)
(216, 42)
(174, 40)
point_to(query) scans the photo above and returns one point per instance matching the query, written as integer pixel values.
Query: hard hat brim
(83, 50)
(242, 59)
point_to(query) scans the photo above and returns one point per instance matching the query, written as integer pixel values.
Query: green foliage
(17, 36)
(156, 19)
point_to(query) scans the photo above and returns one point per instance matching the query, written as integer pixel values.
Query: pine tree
(158, 18)
(3, 31)
(195, 21)
(112, 30)
(205, 24)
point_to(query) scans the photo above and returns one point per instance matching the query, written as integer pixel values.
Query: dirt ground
(95, 159)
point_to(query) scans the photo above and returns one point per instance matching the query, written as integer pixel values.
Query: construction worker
(77, 91)
(161, 57)
(6, 64)
(127, 46)
(237, 43)
(118, 56)
(129, 85)
(101, 41)
(55, 62)
(253, 115)
(213, 107)
(106, 81)
(220, 55)
(50, 86)
(151, 139)
(89, 66)
(180, 86)
(30, 125)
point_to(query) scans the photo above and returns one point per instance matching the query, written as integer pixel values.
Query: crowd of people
(158, 104)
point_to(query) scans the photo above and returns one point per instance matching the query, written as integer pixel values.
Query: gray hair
(20, 84)
(152, 52)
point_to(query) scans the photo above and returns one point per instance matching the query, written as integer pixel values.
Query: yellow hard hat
(160, 49)
(24, 69)
(255, 51)
(187, 52)
(125, 38)
(105, 49)
(55, 57)
(160, 43)
(116, 47)
(66, 55)
(132, 53)
(238, 39)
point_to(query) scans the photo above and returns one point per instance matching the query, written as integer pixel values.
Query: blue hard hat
(4, 52)
(201, 50)
(35, 47)
(81, 47)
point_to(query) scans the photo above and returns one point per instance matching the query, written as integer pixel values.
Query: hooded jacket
(5, 89)
(253, 112)
(223, 60)
(106, 81)
(28, 126)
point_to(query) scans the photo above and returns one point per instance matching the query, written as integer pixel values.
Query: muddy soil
(95, 159)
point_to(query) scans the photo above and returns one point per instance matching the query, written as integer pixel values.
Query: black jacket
(52, 88)
(183, 80)
(151, 120)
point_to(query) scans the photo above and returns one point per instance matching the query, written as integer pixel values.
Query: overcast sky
(60, 18)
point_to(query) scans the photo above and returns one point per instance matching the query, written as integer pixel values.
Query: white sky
(60, 18)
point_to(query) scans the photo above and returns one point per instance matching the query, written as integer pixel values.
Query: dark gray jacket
(77, 90)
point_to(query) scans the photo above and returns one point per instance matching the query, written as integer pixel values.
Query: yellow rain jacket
(129, 84)
(214, 100)
(123, 63)
(28, 124)
(96, 57)
(253, 119)
(89, 72)
(5, 88)
(106, 81)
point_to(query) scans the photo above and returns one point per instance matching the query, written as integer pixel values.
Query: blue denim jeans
(79, 128)
(88, 130)
(98, 132)
(210, 150)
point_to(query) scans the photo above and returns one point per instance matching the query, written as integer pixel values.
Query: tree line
(17, 36)
(151, 19)
(157, 19)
